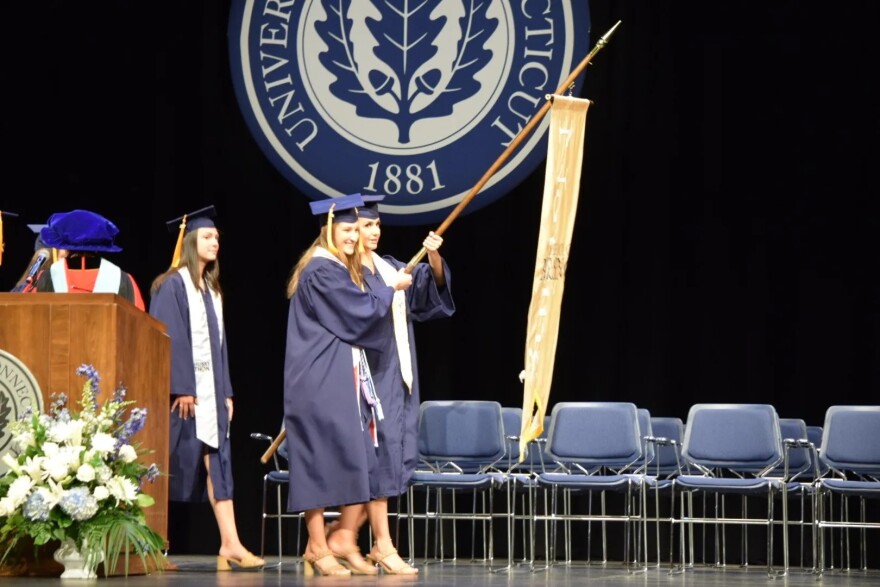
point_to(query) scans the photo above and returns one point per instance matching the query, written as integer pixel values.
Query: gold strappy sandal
(313, 562)
(381, 559)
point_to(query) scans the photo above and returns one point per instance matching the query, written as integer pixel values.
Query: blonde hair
(352, 263)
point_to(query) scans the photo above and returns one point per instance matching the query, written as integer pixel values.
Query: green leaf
(144, 500)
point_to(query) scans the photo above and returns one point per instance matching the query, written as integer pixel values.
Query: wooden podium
(54, 333)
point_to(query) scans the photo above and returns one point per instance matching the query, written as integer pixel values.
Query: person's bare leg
(230, 546)
(330, 527)
(342, 540)
(383, 551)
(317, 552)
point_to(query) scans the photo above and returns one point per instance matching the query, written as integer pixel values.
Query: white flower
(85, 473)
(12, 463)
(122, 489)
(6, 506)
(76, 432)
(25, 440)
(127, 453)
(19, 490)
(59, 432)
(50, 449)
(104, 473)
(103, 442)
(56, 467)
(70, 454)
(101, 493)
(33, 466)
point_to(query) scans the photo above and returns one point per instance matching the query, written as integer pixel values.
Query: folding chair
(460, 444)
(734, 446)
(798, 470)
(519, 480)
(851, 450)
(591, 445)
(278, 479)
(666, 436)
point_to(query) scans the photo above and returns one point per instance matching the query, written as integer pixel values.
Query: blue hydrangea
(79, 503)
(36, 508)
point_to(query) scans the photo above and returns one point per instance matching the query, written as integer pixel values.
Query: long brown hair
(352, 263)
(189, 258)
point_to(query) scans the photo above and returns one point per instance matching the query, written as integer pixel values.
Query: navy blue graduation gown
(187, 476)
(330, 451)
(397, 453)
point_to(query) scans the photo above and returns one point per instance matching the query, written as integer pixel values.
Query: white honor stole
(398, 317)
(108, 279)
(206, 412)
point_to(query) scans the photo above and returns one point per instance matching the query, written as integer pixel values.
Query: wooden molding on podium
(54, 333)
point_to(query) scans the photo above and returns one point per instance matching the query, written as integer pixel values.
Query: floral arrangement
(77, 477)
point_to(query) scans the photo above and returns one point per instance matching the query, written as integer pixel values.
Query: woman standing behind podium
(187, 298)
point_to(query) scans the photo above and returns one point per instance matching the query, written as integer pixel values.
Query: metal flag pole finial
(526, 130)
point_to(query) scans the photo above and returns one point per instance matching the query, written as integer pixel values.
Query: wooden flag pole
(514, 144)
(274, 446)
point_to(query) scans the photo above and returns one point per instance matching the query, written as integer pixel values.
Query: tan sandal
(351, 557)
(248, 561)
(313, 562)
(381, 559)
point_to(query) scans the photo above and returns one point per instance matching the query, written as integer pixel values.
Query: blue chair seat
(729, 484)
(848, 487)
(588, 482)
(452, 480)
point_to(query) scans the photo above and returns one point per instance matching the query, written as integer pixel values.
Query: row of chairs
(595, 449)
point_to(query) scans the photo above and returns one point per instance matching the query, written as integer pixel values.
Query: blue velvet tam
(371, 207)
(202, 218)
(344, 208)
(80, 231)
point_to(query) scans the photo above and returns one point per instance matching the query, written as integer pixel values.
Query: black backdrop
(725, 241)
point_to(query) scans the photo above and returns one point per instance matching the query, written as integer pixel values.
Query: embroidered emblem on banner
(19, 394)
(414, 100)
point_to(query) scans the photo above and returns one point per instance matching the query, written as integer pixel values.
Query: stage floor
(198, 571)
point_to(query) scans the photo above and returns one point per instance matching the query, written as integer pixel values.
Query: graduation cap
(38, 243)
(3, 214)
(371, 207)
(202, 218)
(80, 231)
(340, 209)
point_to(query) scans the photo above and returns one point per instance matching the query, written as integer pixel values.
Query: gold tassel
(54, 255)
(330, 245)
(178, 248)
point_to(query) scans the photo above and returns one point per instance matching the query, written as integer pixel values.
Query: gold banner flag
(568, 122)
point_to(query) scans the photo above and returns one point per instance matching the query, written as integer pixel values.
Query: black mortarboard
(7, 215)
(36, 229)
(80, 231)
(201, 218)
(342, 208)
(371, 207)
